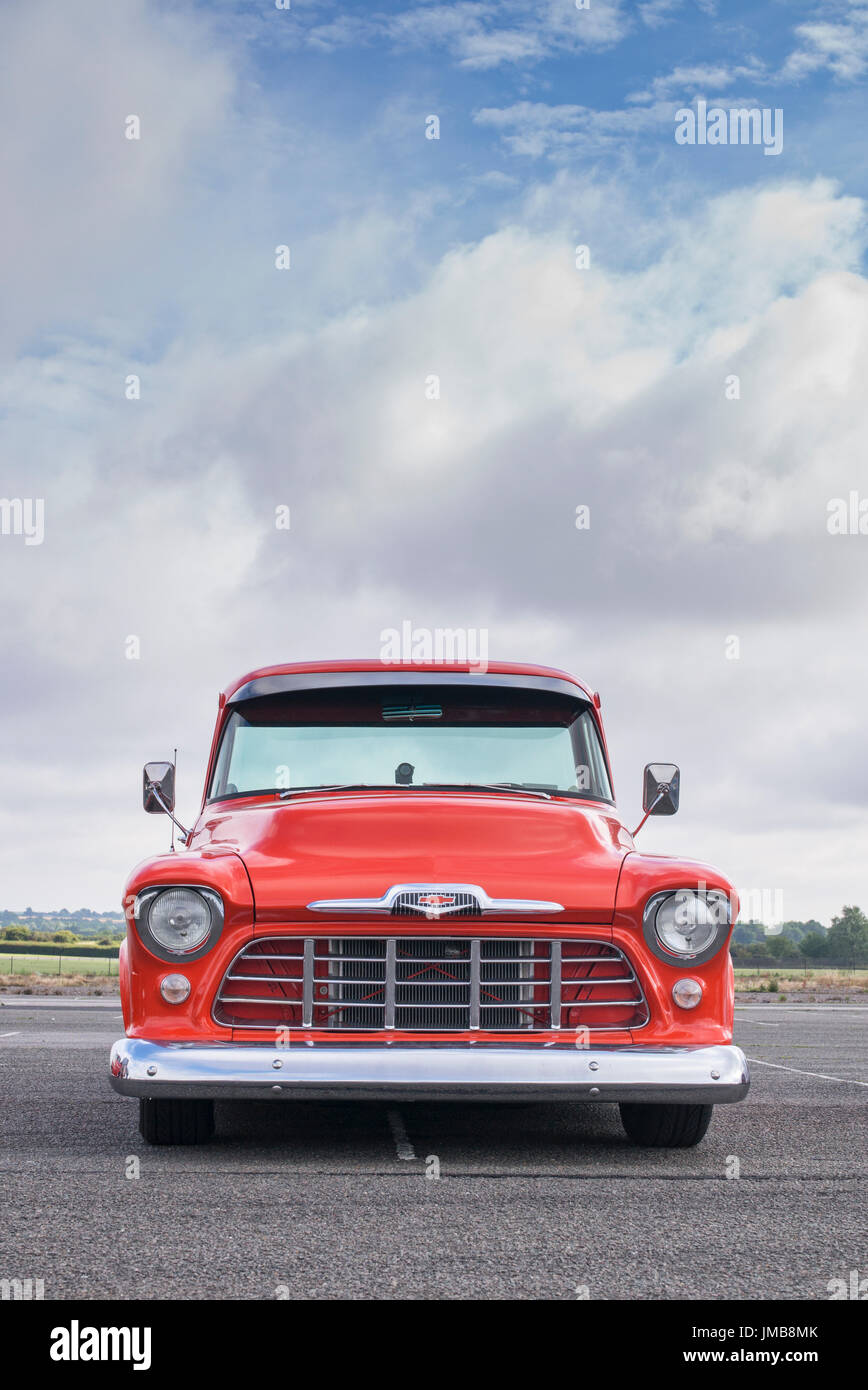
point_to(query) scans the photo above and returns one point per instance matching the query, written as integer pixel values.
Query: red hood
(351, 845)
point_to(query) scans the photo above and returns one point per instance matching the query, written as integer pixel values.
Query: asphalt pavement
(314, 1200)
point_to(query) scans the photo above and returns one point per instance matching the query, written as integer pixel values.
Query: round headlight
(687, 922)
(180, 919)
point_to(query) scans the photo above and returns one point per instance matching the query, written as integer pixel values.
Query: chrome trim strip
(475, 978)
(389, 898)
(555, 984)
(594, 960)
(266, 1004)
(391, 982)
(268, 979)
(476, 1070)
(591, 980)
(307, 992)
(605, 1004)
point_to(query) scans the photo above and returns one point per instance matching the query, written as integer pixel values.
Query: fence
(795, 963)
(55, 948)
(23, 958)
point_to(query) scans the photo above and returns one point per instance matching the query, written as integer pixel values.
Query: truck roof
(368, 664)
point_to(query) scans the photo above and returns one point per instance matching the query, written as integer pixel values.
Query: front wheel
(176, 1121)
(665, 1126)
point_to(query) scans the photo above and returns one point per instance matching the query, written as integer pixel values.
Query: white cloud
(656, 13)
(557, 387)
(685, 82)
(82, 202)
(535, 129)
(481, 34)
(839, 46)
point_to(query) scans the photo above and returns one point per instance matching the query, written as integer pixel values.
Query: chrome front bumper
(429, 1071)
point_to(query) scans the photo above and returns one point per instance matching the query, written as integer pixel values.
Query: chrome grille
(430, 984)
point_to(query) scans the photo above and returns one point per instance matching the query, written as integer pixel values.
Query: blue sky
(560, 387)
(329, 104)
(340, 70)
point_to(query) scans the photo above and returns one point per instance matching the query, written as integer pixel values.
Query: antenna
(172, 841)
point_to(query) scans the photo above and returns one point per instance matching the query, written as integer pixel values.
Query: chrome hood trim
(386, 903)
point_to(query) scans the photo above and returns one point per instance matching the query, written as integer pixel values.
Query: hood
(358, 845)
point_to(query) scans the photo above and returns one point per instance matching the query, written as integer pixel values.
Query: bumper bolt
(152, 1070)
(277, 1064)
(594, 1091)
(276, 1088)
(594, 1066)
(715, 1076)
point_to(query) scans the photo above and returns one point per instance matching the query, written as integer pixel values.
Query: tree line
(845, 940)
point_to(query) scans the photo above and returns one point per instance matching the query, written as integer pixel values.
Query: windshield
(383, 737)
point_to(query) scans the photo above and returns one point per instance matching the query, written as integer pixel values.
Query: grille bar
(307, 989)
(430, 984)
(390, 983)
(555, 987)
(475, 974)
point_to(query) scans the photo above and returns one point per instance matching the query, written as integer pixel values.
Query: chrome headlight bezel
(662, 950)
(144, 901)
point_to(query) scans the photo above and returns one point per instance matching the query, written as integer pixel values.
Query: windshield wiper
(515, 787)
(329, 787)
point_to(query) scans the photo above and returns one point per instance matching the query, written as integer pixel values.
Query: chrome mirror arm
(664, 787)
(154, 789)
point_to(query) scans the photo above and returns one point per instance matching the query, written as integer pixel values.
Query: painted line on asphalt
(403, 1146)
(10, 1035)
(803, 1008)
(21, 1001)
(820, 1076)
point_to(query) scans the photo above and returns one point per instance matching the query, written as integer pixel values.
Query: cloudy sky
(608, 386)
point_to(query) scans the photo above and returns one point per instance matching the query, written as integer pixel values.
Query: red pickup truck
(411, 882)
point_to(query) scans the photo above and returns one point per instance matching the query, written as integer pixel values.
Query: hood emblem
(434, 900)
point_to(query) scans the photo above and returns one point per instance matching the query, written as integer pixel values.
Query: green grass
(14, 964)
(860, 972)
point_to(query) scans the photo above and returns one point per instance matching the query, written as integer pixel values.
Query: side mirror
(158, 788)
(660, 789)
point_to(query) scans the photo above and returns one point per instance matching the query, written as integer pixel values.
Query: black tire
(173, 1121)
(666, 1126)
